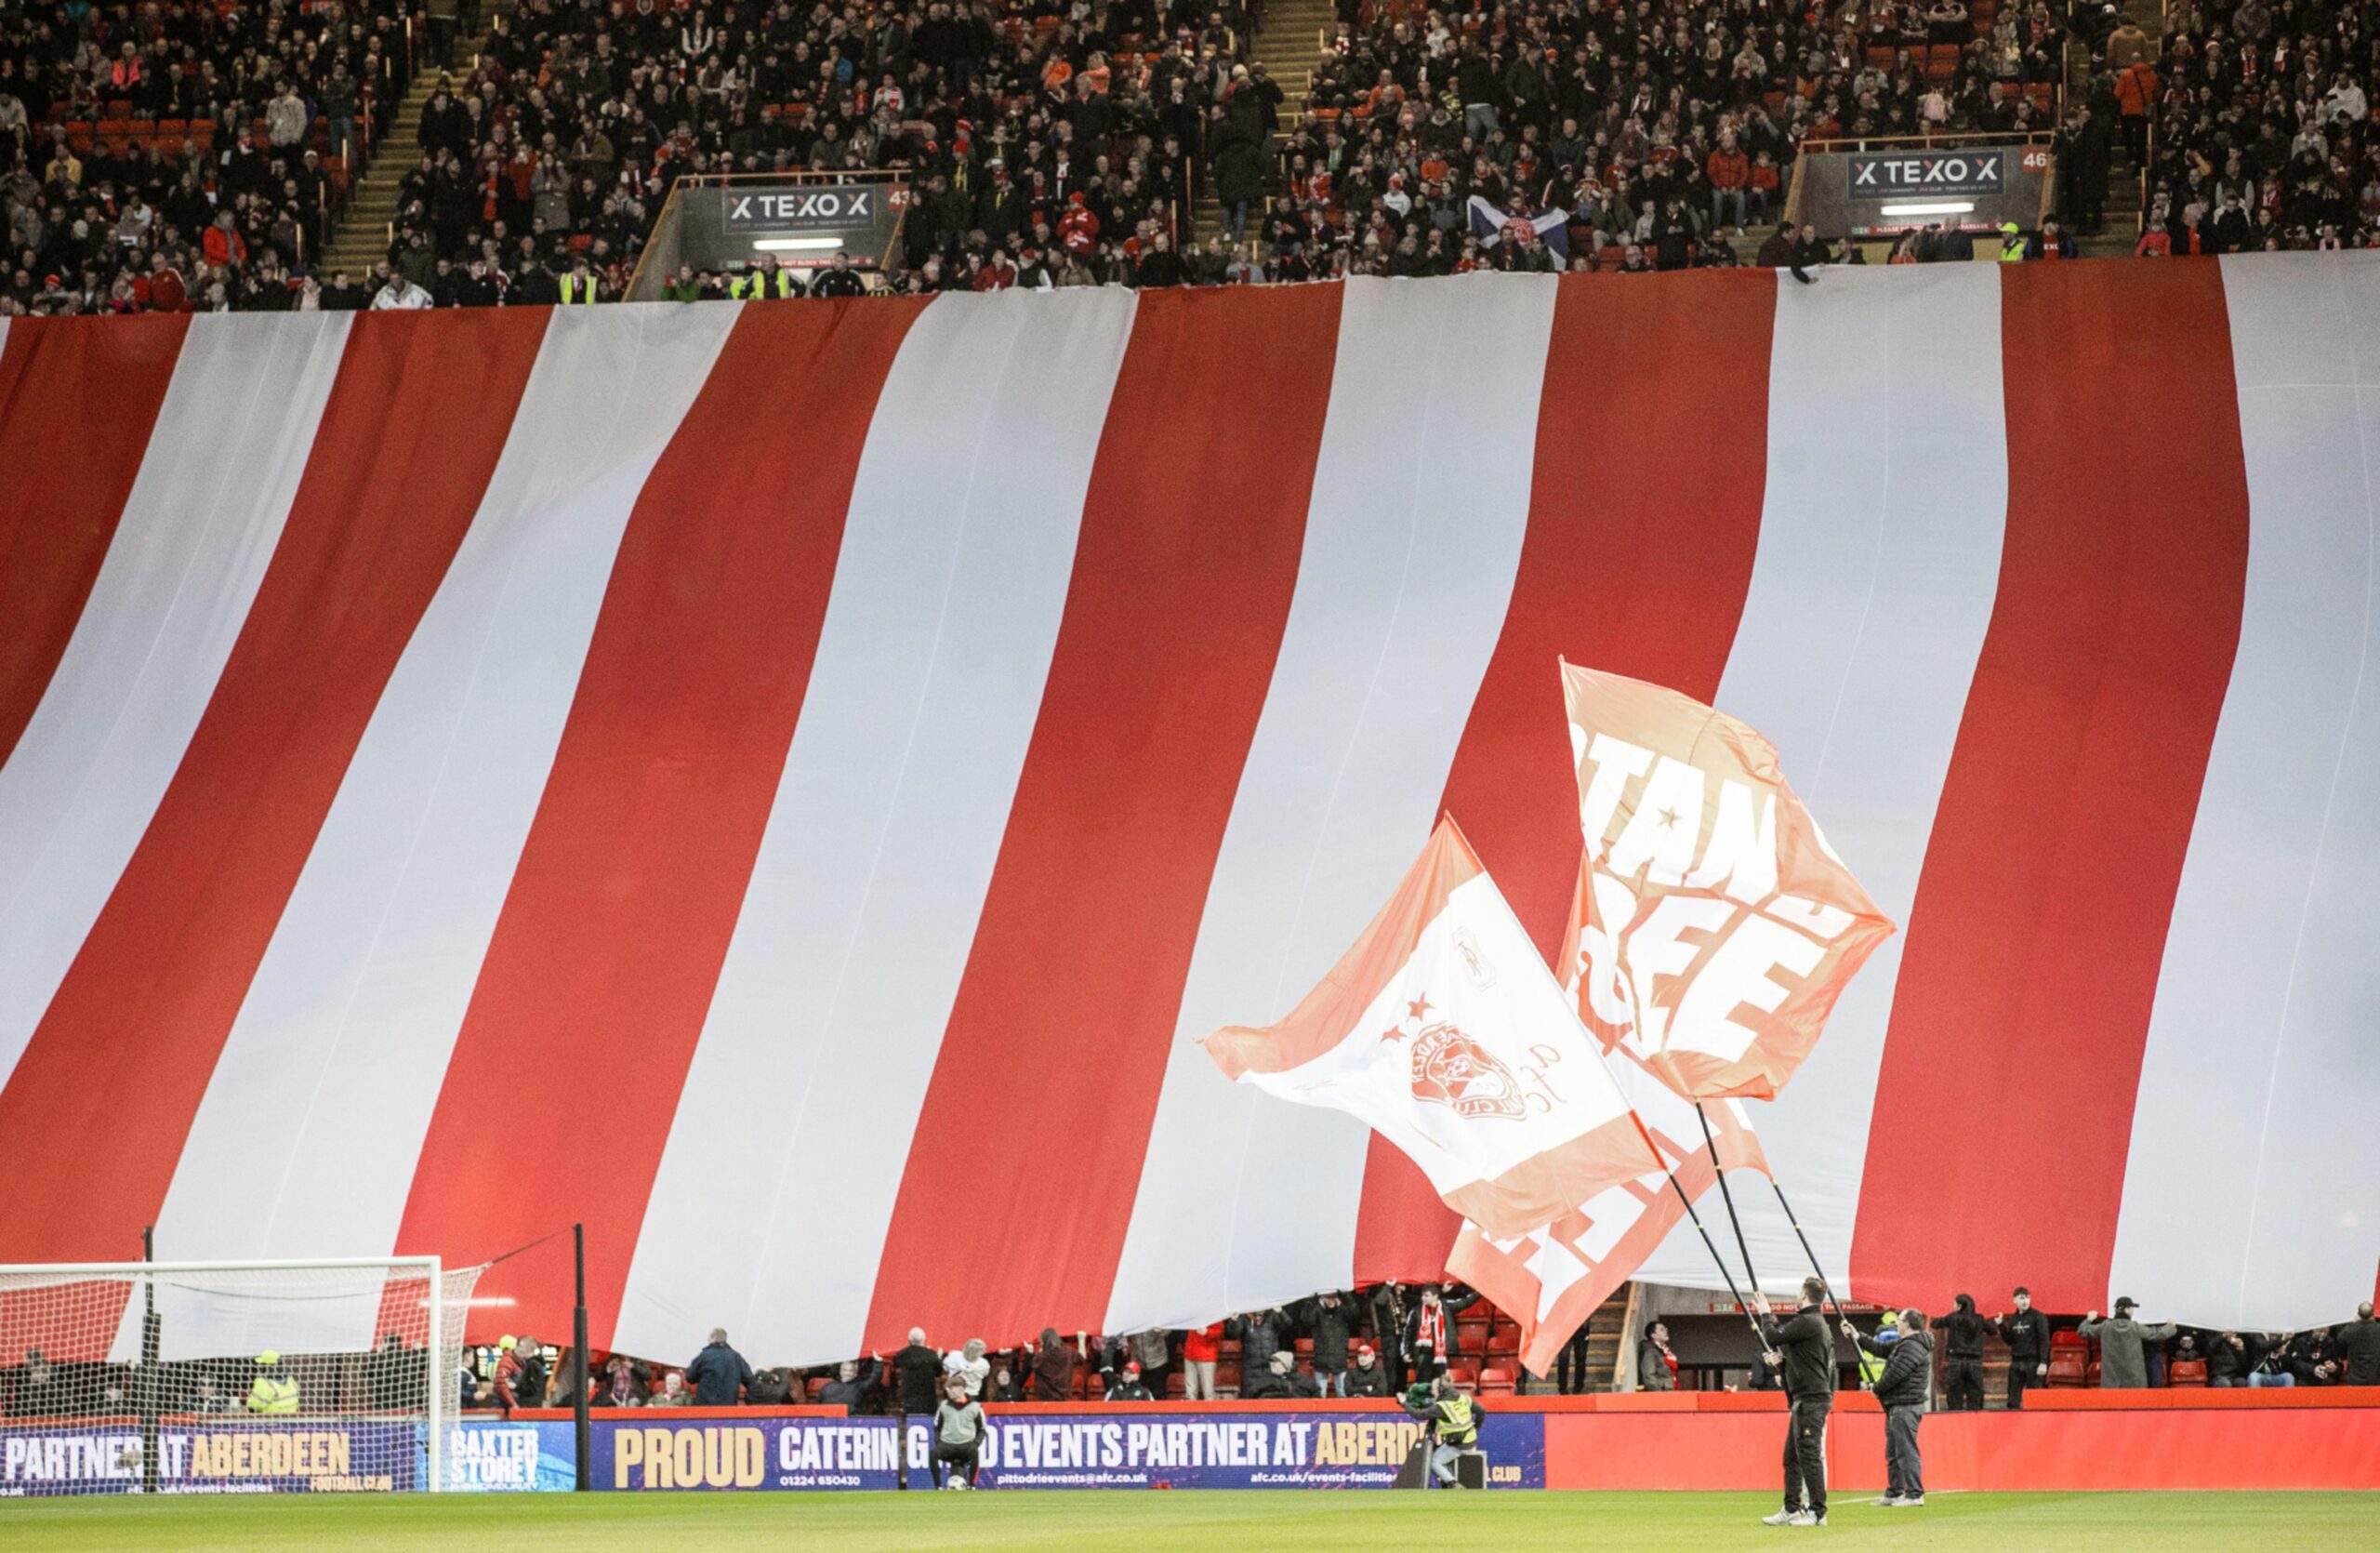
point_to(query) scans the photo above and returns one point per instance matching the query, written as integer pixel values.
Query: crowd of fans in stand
(1064, 142)
(2255, 122)
(208, 146)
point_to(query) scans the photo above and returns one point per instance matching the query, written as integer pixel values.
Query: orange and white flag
(1715, 927)
(1553, 1278)
(1443, 1029)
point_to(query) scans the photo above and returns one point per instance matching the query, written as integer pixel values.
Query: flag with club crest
(1442, 1028)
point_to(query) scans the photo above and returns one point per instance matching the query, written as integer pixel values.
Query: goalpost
(333, 1374)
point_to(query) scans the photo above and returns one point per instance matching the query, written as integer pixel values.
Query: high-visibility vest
(755, 284)
(2012, 250)
(1461, 1425)
(578, 289)
(272, 1394)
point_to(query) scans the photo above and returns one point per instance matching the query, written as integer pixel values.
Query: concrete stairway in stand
(1289, 43)
(361, 238)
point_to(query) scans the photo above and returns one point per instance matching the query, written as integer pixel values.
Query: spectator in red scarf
(1656, 1362)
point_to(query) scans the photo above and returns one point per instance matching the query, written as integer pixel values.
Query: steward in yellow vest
(1453, 1419)
(777, 281)
(272, 1391)
(579, 287)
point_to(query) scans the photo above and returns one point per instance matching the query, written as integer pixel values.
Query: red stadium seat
(1466, 1376)
(2185, 1371)
(2070, 1360)
(1497, 1381)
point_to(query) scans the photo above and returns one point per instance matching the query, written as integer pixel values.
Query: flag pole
(1720, 1169)
(1824, 1283)
(1726, 1275)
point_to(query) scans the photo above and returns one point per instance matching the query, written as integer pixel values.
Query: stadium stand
(186, 155)
(1073, 143)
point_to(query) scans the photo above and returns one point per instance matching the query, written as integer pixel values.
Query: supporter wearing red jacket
(1731, 174)
(1200, 1348)
(166, 291)
(222, 246)
(1079, 229)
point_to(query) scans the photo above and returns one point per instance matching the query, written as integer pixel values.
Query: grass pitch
(1147, 1522)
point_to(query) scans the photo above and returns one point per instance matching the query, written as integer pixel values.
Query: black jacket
(1965, 1329)
(918, 1369)
(1264, 1386)
(2027, 1335)
(1356, 1381)
(854, 1397)
(2225, 1362)
(716, 1374)
(1907, 1379)
(1261, 1337)
(1330, 1326)
(2357, 1345)
(1807, 1343)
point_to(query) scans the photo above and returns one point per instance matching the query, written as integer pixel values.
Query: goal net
(228, 1377)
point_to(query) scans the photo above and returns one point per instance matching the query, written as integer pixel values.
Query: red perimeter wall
(2063, 1439)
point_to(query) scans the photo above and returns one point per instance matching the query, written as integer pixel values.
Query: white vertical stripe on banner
(306, 1140)
(1878, 563)
(2249, 1192)
(769, 1212)
(197, 534)
(1413, 535)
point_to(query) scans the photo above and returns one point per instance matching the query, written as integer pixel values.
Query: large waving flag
(1558, 1274)
(1442, 1028)
(1715, 927)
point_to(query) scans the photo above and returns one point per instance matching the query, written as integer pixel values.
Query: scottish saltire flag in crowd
(790, 784)
(1441, 1028)
(1715, 928)
(1488, 222)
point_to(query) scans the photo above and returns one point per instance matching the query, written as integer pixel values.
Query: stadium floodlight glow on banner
(271, 1376)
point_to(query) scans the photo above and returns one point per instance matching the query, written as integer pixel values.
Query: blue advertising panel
(1241, 1448)
(229, 1455)
(488, 1455)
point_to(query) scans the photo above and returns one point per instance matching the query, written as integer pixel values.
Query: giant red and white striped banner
(788, 784)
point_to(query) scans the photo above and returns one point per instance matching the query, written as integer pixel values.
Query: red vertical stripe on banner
(1191, 534)
(77, 401)
(1652, 454)
(604, 960)
(2004, 1105)
(94, 1119)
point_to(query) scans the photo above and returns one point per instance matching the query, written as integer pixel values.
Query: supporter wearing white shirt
(969, 1366)
(399, 293)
